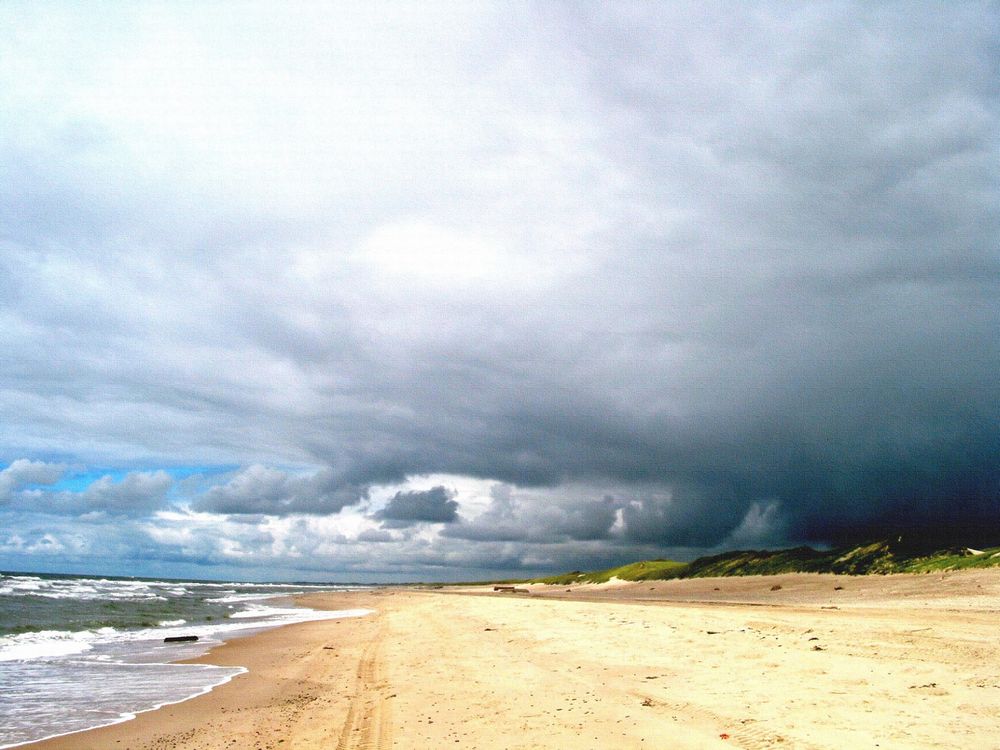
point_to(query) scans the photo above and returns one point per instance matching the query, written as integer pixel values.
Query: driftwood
(180, 638)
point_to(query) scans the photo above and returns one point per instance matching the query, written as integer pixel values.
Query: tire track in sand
(368, 725)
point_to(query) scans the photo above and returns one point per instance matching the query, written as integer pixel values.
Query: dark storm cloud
(261, 490)
(738, 263)
(429, 506)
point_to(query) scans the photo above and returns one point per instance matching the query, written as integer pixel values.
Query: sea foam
(63, 679)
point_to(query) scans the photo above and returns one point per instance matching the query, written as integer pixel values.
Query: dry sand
(890, 662)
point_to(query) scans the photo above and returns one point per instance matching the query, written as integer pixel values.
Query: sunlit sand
(818, 662)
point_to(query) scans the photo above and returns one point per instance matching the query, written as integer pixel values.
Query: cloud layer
(666, 277)
(408, 508)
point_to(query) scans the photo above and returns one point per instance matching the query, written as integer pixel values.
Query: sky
(386, 291)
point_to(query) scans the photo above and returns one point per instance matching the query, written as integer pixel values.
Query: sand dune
(891, 662)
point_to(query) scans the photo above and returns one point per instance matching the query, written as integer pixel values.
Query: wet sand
(819, 662)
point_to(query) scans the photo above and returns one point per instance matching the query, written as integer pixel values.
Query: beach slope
(799, 661)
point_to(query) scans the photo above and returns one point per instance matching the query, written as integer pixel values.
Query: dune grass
(647, 570)
(880, 557)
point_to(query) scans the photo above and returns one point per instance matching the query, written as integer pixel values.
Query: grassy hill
(885, 556)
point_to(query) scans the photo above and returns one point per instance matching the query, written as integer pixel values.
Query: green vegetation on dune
(881, 557)
(990, 558)
(759, 563)
(647, 570)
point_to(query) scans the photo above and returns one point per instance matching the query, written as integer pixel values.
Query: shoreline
(904, 661)
(252, 648)
(132, 715)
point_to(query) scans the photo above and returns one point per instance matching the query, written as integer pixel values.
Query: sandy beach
(795, 661)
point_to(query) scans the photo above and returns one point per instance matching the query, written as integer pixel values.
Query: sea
(78, 652)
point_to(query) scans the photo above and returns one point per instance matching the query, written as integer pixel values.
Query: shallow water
(79, 652)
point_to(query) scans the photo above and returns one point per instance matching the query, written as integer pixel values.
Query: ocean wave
(94, 589)
(76, 648)
(48, 644)
(53, 644)
(78, 588)
(234, 598)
